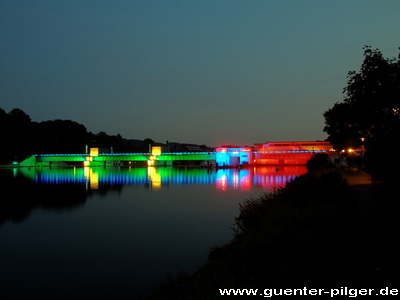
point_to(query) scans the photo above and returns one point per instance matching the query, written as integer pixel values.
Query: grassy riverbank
(314, 233)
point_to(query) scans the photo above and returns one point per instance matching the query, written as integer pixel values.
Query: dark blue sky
(206, 71)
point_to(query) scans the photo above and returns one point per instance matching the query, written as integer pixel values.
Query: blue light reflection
(223, 179)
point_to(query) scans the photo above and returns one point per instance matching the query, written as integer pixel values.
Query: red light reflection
(268, 178)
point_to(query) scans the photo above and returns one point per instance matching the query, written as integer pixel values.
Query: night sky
(207, 72)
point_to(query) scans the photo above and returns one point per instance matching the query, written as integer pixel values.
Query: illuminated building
(233, 156)
(277, 153)
(289, 153)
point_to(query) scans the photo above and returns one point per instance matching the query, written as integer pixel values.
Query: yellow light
(155, 178)
(86, 172)
(94, 180)
(91, 177)
(94, 151)
(350, 150)
(156, 150)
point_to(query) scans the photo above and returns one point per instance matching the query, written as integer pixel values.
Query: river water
(95, 233)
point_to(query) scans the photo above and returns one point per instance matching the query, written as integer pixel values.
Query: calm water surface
(114, 233)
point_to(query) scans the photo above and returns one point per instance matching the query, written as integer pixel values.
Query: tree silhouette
(61, 136)
(15, 134)
(20, 137)
(370, 110)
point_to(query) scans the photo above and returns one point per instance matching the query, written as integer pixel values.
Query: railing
(116, 154)
(291, 151)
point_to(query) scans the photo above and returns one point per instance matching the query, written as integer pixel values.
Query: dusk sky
(207, 72)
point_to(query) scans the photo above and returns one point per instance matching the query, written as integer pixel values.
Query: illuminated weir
(95, 159)
(281, 153)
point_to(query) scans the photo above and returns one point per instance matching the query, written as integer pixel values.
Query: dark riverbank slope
(325, 229)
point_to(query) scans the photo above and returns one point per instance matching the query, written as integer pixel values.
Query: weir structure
(95, 159)
(280, 153)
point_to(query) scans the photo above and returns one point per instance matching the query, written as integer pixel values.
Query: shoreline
(340, 224)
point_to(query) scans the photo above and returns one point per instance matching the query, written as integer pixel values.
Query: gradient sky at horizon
(207, 72)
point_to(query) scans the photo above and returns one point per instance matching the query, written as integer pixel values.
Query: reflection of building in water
(155, 178)
(262, 177)
(240, 179)
(233, 178)
(272, 178)
(92, 178)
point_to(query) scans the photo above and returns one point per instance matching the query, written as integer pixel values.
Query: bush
(319, 162)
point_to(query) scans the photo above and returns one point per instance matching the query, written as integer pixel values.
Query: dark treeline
(369, 115)
(21, 137)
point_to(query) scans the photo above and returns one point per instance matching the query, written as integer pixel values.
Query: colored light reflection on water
(113, 233)
(243, 179)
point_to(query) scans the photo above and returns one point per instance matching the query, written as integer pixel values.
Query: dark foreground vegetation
(313, 233)
(369, 115)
